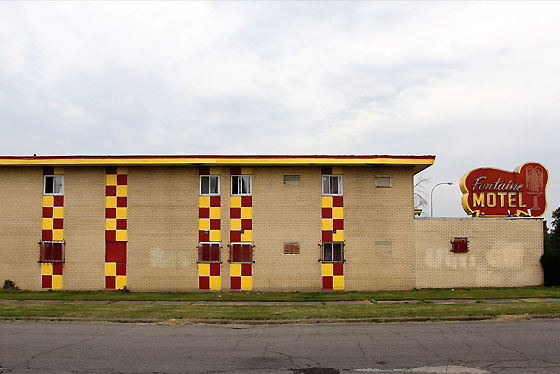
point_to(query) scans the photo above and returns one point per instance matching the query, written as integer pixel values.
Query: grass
(424, 294)
(260, 312)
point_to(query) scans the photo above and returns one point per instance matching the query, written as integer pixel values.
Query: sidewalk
(285, 303)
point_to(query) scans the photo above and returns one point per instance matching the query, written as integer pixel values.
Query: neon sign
(489, 192)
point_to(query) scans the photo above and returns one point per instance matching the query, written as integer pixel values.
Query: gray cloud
(473, 83)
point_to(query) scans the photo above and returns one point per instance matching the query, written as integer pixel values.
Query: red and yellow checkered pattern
(332, 226)
(209, 226)
(52, 229)
(241, 230)
(241, 276)
(116, 203)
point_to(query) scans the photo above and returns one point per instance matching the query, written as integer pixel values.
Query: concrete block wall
(502, 252)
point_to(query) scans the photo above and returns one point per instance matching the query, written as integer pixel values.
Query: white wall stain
(161, 258)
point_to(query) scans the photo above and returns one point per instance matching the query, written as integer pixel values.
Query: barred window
(209, 252)
(51, 251)
(241, 252)
(333, 251)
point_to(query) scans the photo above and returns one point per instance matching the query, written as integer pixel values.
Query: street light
(432, 197)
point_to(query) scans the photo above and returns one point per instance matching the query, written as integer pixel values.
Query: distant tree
(551, 257)
(556, 222)
(420, 193)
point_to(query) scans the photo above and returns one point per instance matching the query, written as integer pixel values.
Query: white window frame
(328, 193)
(200, 185)
(250, 193)
(61, 193)
(384, 176)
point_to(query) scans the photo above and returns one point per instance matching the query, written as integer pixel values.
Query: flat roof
(418, 162)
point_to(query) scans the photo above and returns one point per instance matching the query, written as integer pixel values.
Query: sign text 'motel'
(491, 192)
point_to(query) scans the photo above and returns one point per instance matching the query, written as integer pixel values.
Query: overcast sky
(473, 83)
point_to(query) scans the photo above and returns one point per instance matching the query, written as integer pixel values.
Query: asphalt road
(454, 348)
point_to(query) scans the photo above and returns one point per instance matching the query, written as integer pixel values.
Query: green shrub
(9, 285)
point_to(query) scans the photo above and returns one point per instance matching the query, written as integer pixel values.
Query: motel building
(253, 223)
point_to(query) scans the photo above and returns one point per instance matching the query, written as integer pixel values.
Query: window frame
(54, 176)
(209, 176)
(250, 244)
(332, 260)
(241, 176)
(340, 185)
(201, 261)
(42, 252)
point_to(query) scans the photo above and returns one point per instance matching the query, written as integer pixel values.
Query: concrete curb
(313, 321)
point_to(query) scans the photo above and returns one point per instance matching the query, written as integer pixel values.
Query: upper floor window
(332, 184)
(209, 184)
(241, 185)
(53, 185)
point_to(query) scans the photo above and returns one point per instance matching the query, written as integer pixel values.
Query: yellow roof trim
(213, 161)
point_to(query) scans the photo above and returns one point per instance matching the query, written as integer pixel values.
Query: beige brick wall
(502, 252)
(162, 228)
(379, 224)
(284, 213)
(20, 225)
(84, 228)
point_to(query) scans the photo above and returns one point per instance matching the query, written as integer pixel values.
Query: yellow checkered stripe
(209, 230)
(208, 281)
(209, 221)
(241, 276)
(52, 230)
(330, 280)
(116, 221)
(51, 278)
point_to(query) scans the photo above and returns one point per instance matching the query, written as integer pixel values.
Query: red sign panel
(498, 193)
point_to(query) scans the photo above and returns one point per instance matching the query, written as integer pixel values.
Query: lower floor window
(209, 252)
(51, 251)
(241, 252)
(333, 251)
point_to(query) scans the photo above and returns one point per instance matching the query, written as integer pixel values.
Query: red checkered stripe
(241, 230)
(332, 217)
(116, 213)
(52, 229)
(207, 271)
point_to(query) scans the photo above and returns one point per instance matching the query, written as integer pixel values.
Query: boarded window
(383, 181)
(241, 252)
(291, 180)
(292, 248)
(383, 247)
(460, 245)
(51, 251)
(208, 252)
